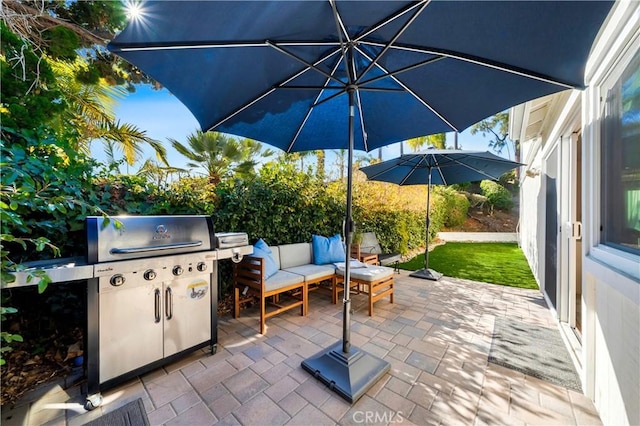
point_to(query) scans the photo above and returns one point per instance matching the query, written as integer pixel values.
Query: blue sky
(163, 116)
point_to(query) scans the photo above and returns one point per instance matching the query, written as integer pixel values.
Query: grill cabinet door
(130, 337)
(187, 315)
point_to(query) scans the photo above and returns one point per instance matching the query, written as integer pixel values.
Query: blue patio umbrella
(307, 75)
(438, 167)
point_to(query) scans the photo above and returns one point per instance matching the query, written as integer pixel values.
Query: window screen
(621, 162)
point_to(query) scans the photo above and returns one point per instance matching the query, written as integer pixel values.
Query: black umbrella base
(427, 274)
(350, 375)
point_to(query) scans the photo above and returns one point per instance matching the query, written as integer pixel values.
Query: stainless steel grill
(152, 291)
(154, 294)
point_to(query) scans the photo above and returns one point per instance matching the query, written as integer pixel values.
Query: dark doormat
(131, 414)
(534, 350)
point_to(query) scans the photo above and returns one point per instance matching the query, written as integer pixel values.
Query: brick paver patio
(436, 336)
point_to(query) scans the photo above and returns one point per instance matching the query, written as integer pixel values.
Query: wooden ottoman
(376, 280)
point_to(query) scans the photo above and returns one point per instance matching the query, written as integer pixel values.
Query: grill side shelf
(59, 270)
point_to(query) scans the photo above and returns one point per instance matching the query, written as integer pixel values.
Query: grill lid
(133, 237)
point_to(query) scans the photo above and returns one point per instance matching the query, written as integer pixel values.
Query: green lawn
(497, 263)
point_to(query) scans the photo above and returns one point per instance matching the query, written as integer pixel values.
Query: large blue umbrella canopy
(438, 167)
(278, 71)
(306, 75)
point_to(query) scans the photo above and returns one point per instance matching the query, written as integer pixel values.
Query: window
(620, 227)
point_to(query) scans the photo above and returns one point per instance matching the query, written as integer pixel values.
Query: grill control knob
(149, 274)
(177, 270)
(201, 267)
(117, 280)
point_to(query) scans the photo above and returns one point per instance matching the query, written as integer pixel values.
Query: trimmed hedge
(456, 206)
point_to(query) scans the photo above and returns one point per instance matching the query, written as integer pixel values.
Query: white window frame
(620, 260)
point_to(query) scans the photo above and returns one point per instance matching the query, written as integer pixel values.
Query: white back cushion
(292, 255)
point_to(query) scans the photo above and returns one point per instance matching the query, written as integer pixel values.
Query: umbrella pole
(426, 250)
(427, 273)
(347, 370)
(348, 234)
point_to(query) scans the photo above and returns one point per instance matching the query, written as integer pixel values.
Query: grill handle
(168, 303)
(155, 248)
(157, 304)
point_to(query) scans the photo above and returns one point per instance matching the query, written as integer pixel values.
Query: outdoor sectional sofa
(295, 276)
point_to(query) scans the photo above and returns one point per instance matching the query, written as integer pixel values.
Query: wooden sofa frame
(249, 275)
(375, 290)
(249, 280)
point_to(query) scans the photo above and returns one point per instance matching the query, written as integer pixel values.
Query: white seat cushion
(282, 279)
(369, 273)
(311, 272)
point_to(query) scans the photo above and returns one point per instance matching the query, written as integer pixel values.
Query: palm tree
(251, 150)
(341, 161)
(302, 155)
(220, 155)
(91, 114)
(320, 156)
(157, 173)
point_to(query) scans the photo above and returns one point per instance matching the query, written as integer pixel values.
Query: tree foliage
(90, 111)
(30, 95)
(437, 140)
(497, 127)
(47, 88)
(60, 29)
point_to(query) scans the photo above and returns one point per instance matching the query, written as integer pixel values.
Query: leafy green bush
(189, 195)
(46, 195)
(499, 197)
(6, 338)
(396, 214)
(126, 194)
(280, 205)
(508, 178)
(456, 206)
(438, 212)
(398, 231)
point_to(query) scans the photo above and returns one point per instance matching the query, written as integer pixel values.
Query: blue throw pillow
(327, 250)
(336, 249)
(261, 249)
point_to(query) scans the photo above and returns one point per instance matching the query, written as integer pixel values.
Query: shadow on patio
(436, 336)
